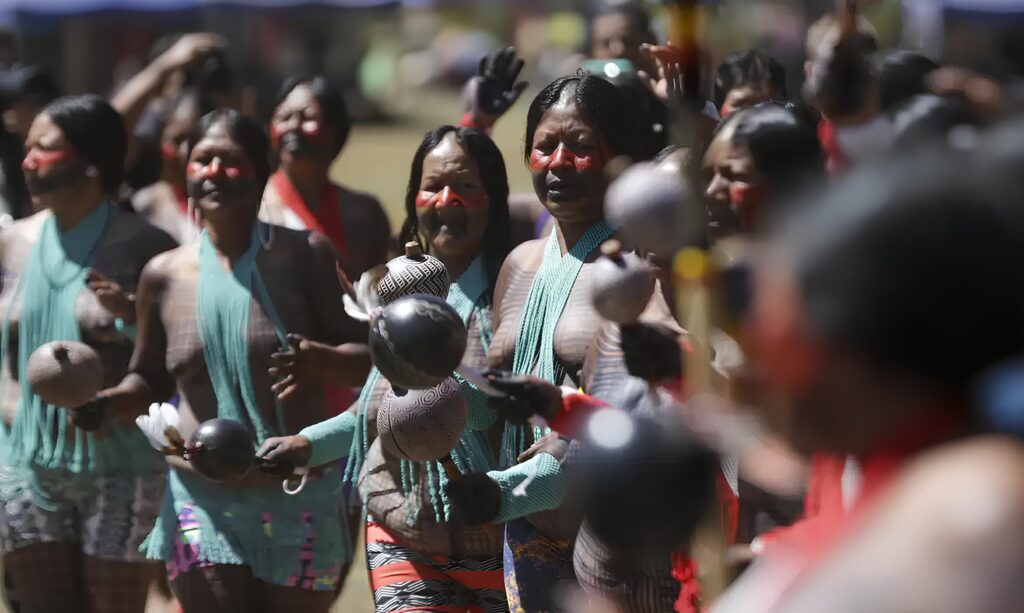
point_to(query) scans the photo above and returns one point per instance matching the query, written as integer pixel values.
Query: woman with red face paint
(545, 322)
(757, 158)
(165, 203)
(74, 504)
(420, 555)
(308, 129)
(244, 545)
(866, 350)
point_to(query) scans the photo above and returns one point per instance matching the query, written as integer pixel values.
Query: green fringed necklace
(535, 336)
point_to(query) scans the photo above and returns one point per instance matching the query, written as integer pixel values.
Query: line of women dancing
(252, 304)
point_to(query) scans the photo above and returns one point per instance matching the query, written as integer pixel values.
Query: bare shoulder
(961, 477)
(136, 228)
(526, 253)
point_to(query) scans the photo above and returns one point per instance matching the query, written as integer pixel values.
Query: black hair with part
(607, 109)
(244, 130)
(751, 67)
(332, 105)
(97, 133)
(497, 240)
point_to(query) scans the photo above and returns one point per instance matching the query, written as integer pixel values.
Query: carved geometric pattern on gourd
(407, 276)
(423, 425)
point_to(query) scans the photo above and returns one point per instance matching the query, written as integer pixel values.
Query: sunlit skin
(452, 205)
(733, 189)
(617, 36)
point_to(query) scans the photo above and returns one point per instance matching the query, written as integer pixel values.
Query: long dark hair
(96, 131)
(497, 241)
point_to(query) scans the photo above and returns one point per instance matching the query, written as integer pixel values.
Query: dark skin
(304, 141)
(728, 169)
(298, 270)
(126, 246)
(574, 193)
(452, 220)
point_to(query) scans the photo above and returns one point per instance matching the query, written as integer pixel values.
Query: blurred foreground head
(879, 307)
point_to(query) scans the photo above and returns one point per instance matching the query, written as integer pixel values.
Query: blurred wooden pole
(691, 268)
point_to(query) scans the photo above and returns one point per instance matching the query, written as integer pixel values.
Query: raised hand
(190, 49)
(667, 85)
(494, 90)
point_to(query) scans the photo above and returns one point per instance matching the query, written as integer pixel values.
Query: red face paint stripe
(200, 171)
(449, 197)
(37, 159)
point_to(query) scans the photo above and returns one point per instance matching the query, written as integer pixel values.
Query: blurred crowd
(747, 345)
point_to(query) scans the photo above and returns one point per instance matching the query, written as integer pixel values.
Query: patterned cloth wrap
(287, 540)
(109, 515)
(404, 579)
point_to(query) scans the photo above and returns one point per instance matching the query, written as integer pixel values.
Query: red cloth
(823, 505)
(814, 538)
(575, 409)
(835, 160)
(182, 199)
(326, 220)
(684, 570)
(467, 121)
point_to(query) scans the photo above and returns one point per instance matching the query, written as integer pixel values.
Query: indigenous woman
(544, 319)
(220, 320)
(758, 158)
(75, 505)
(308, 129)
(165, 203)
(420, 556)
(866, 350)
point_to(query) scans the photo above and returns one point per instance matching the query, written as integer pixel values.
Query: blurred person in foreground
(864, 349)
(76, 500)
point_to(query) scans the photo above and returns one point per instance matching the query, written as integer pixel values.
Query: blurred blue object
(1000, 397)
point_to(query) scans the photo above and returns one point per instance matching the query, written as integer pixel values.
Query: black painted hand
(90, 416)
(652, 352)
(475, 498)
(526, 396)
(494, 90)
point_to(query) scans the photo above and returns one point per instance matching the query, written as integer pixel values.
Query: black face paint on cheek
(227, 189)
(295, 142)
(56, 179)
